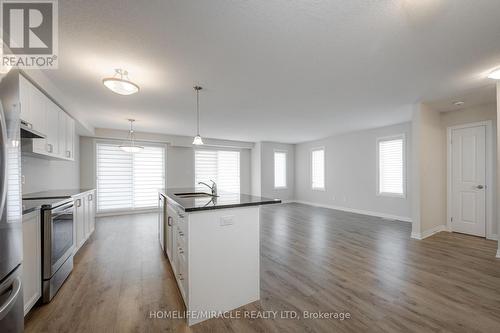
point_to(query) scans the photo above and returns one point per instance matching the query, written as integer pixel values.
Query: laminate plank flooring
(312, 259)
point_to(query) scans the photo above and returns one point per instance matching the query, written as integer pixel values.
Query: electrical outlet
(23, 180)
(226, 220)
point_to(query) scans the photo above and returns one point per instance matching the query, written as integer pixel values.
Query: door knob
(480, 187)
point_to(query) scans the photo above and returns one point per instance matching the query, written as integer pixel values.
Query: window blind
(391, 166)
(279, 169)
(318, 168)
(128, 181)
(221, 166)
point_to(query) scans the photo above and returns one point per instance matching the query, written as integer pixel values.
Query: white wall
(256, 188)
(267, 150)
(498, 169)
(351, 177)
(43, 174)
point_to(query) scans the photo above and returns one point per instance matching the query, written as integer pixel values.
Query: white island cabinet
(213, 248)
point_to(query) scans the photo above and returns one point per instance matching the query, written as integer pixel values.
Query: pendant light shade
(120, 83)
(197, 140)
(130, 146)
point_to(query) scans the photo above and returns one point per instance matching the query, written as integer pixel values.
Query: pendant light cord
(198, 111)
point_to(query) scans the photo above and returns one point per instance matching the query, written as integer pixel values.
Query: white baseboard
(492, 237)
(429, 232)
(357, 211)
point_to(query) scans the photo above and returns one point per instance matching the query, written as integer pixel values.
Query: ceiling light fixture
(120, 83)
(458, 103)
(495, 75)
(197, 139)
(130, 146)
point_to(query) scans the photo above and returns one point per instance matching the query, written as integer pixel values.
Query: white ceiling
(281, 70)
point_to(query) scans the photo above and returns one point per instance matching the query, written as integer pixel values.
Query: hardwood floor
(312, 259)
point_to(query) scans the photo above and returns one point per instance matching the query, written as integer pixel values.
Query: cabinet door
(52, 111)
(70, 138)
(24, 99)
(91, 212)
(79, 222)
(62, 128)
(32, 258)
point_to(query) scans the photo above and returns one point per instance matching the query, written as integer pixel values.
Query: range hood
(29, 133)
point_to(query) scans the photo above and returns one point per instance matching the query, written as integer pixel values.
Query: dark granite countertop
(224, 200)
(55, 194)
(34, 201)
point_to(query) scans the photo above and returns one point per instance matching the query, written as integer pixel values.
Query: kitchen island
(212, 243)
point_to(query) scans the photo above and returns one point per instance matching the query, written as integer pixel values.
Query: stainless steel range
(57, 245)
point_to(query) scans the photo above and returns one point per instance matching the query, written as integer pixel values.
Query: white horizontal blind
(127, 181)
(391, 166)
(221, 166)
(279, 169)
(318, 169)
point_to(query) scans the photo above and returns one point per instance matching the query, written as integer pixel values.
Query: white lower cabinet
(32, 260)
(84, 217)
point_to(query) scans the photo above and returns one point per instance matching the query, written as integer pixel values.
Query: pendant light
(197, 139)
(120, 83)
(130, 146)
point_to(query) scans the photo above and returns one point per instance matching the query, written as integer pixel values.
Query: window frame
(282, 151)
(401, 136)
(323, 148)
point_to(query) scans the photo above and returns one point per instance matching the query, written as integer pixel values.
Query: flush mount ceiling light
(495, 75)
(458, 103)
(120, 83)
(130, 146)
(197, 139)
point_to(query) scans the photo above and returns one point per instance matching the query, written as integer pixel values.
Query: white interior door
(469, 180)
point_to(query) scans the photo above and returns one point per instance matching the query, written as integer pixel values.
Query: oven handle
(62, 209)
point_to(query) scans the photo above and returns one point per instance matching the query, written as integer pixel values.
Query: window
(318, 169)
(221, 166)
(280, 169)
(391, 174)
(127, 181)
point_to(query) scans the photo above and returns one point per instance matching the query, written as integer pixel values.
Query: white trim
(390, 138)
(492, 237)
(489, 174)
(284, 151)
(357, 211)
(321, 189)
(429, 232)
(498, 253)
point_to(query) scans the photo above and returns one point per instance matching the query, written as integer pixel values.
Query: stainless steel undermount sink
(194, 195)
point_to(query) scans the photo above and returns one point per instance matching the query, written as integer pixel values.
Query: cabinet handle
(181, 251)
(90, 197)
(49, 147)
(79, 203)
(169, 221)
(68, 153)
(181, 233)
(25, 123)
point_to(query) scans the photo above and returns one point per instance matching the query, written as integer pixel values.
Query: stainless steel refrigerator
(11, 292)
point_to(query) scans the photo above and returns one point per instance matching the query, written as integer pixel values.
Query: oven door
(57, 239)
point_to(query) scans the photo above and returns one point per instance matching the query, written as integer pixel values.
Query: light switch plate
(226, 220)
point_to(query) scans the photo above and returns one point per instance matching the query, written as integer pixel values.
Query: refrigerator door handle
(3, 162)
(16, 289)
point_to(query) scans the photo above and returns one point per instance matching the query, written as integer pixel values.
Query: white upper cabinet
(40, 113)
